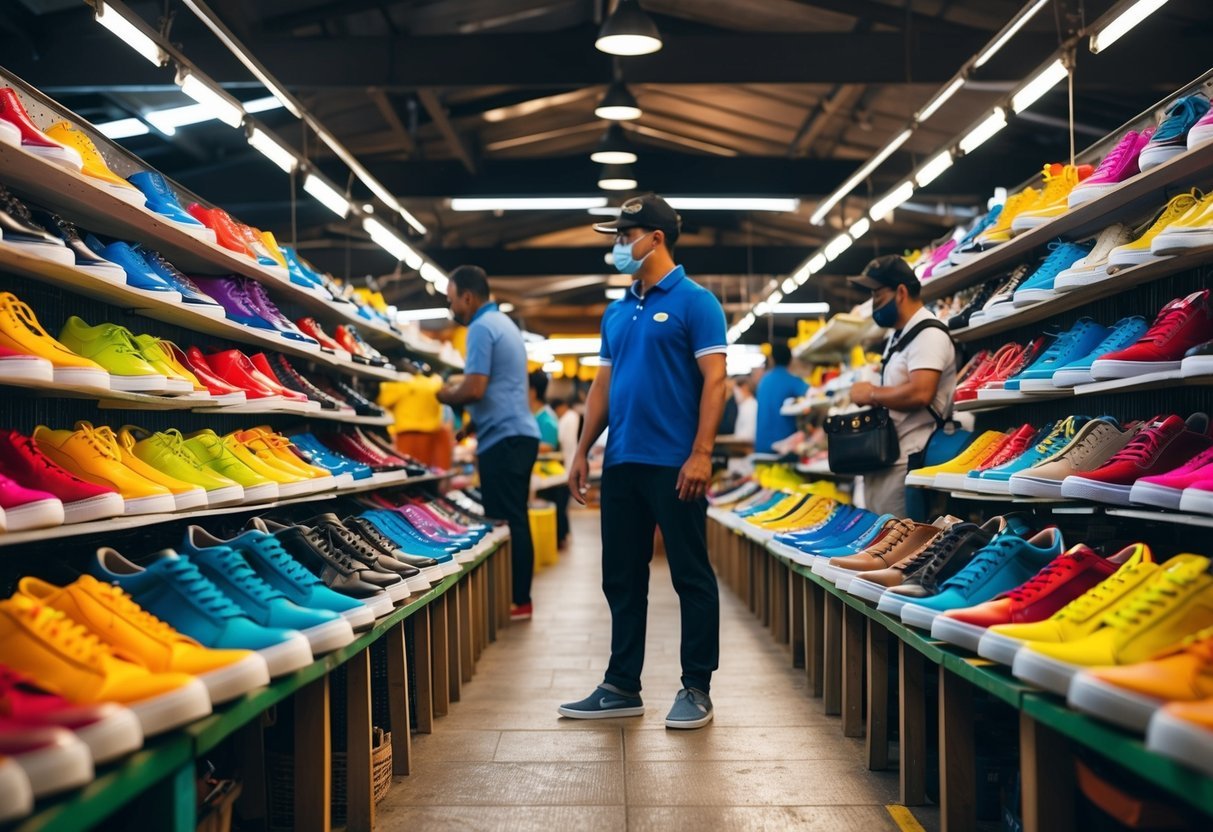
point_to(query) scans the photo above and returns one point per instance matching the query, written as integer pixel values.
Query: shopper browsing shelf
(917, 380)
(661, 389)
(776, 386)
(494, 389)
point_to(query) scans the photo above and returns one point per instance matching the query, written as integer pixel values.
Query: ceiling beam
(429, 99)
(891, 15)
(526, 262)
(392, 118)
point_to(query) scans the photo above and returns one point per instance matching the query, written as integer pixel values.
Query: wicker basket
(281, 781)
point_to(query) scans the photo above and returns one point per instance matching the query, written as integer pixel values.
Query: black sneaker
(603, 703)
(294, 380)
(19, 227)
(1000, 303)
(961, 319)
(331, 526)
(370, 533)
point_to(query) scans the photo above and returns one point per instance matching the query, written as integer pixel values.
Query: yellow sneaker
(1138, 251)
(1192, 230)
(94, 164)
(1054, 199)
(283, 450)
(166, 452)
(813, 511)
(68, 660)
(289, 484)
(213, 453)
(1176, 602)
(264, 445)
(969, 459)
(1024, 200)
(186, 495)
(110, 614)
(271, 245)
(93, 455)
(160, 356)
(783, 508)
(21, 332)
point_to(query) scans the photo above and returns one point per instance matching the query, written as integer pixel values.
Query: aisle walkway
(503, 759)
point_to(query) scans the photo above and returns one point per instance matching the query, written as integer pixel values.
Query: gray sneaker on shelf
(692, 709)
(604, 703)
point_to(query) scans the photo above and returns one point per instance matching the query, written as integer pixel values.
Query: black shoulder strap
(904, 341)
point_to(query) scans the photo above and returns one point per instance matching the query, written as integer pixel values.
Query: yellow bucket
(543, 533)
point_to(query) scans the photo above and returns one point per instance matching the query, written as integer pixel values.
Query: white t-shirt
(568, 430)
(746, 425)
(931, 349)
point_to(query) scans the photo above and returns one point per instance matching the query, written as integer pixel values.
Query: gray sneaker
(692, 709)
(604, 703)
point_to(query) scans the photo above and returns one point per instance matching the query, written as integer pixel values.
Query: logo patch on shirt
(661, 317)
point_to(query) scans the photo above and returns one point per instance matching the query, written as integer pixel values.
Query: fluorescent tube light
(789, 286)
(801, 309)
(386, 239)
(269, 147)
(263, 105)
(432, 274)
(326, 195)
(774, 297)
(816, 263)
(1045, 80)
(858, 176)
(976, 137)
(554, 367)
(885, 205)
(438, 313)
(802, 275)
(1129, 17)
(130, 34)
(530, 203)
(940, 99)
(212, 100)
(123, 128)
(1008, 32)
(733, 203)
(931, 171)
(837, 246)
(761, 309)
(167, 121)
(604, 212)
(860, 227)
(616, 293)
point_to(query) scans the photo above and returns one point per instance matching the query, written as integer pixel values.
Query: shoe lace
(368, 529)
(1038, 583)
(269, 548)
(1180, 115)
(1062, 433)
(1154, 598)
(101, 439)
(1168, 322)
(1122, 335)
(22, 314)
(993, 555)
(322, 537)
(19, 209)
(1062, 255)
(66, 634)
(1112, 161)
(1089, 603)
(193, 584)
(238, 571)
(124, 339)
(125, 605)
(1058, 184)
(1174, 209)
(1144, 446)
(932, 557)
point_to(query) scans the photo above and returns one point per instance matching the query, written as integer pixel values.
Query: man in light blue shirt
(494, 390)
(776, 386)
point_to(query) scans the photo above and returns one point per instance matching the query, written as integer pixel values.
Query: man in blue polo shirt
(776, 386)
(494, 389)
(661, 390)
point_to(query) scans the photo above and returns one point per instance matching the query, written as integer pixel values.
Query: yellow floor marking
(904, 818)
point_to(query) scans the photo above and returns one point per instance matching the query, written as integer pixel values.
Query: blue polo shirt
(495, 349)
(776, 386)
(652, 344)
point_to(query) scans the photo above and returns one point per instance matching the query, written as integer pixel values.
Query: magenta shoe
(25, 508)
(1120, 165)
(1166, 490)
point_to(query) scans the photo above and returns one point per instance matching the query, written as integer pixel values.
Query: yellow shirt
(414, 404)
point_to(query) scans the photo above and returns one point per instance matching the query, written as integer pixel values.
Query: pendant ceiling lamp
(617, 178)
(618, 104)
(628, 31)
(614, 148)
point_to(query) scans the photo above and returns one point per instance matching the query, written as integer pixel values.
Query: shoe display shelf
(433, 643)
(833, 343)
(1138, 196)
(806, 405)
(1164, 380)
(844, 644)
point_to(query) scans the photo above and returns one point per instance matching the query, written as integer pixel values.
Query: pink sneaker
(938, 257)
(1202, 131)
(53, 758)
(1118, 166)
(25, 508)
(1166, 490)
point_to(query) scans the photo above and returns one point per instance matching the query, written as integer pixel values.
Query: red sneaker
(1182, 324)
(33, 139)
(236, 368)
(967, 390)
(226, 394)
(1015, 362)
(21, 459)
(54, 760)
(311, 328)
(226, 234)
(521, 612)
(109, 730)
(1161, 446)
(1067, 577)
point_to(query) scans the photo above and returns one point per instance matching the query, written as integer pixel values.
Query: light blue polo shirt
(775, 386)
(652, 344)
(495, 349)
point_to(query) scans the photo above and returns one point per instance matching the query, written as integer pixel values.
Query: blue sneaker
(997, 480)
(1124, 333)
(162, 200)
(407, 538)
(858, 524)
(194, 297)
(1071, 345)
(1171, 137)
(1004, 564)
(604, 703)
(1040, 285)
(692, 709)
(139, 275)
(277, 568)
(969, 246)
(172, 588)
(324, 629)
(325, 457)
(881, 524)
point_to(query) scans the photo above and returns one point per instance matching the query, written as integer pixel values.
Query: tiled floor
(503, 759)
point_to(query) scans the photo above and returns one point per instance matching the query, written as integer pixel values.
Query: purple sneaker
(1117, 167)
(260, 301)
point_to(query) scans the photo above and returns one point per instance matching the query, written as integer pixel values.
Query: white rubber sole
(1044, 672)
(892, 603)
(16, 794)
(66, 764)
(1197, 365)
(62, 156)
(1080, 488)
(173, 709)
(210, 310)
(115, 735)
(1072, 378)
(1152, 157)
(915, 615)
(177, 387)
(954, 631)
(198, 230)
(192, 499)
(1175, 242)
(228, 495)
(11, 136)
(1152, 494)
(379, 605)
(398, 591)
(83, 377)
(152, 383)
(287, 490)
(52, 252)
(417, 583)
(324, 638)
(1197, 501)
(984, 485)
(1023, 485)
(1037, 385)
(1083, 194)
(158, 504)
(1071, 279)
(226, 683)
(36, 515)
(954, 482)
(287, 656)
(923, 480)
(260, 493)
(1027, 297)
(1026, 223)
(999, 648)
(450, 567)
(360, 618)
(1111, 702)
(844, 581)
(1181, 740)
(94, 508)
(688, 724)
(129, 193)
(166, 295)
(26, 368)
(1200, 134)
(1128, 258)
(868, 591)
(1103, 369)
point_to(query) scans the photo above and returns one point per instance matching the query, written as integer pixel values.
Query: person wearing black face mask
(917, 381)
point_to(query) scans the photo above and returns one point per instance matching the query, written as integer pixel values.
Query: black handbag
(866, 440)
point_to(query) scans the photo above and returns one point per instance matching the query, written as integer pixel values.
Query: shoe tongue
(323, 519)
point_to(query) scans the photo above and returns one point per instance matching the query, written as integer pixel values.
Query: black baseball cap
(649, 211)
(887, 272)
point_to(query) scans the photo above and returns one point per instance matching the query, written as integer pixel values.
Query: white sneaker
(1094, 267)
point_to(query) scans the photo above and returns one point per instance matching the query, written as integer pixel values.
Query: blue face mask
(886, 316)
(624, 261)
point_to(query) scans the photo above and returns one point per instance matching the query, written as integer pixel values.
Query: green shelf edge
(135, 775)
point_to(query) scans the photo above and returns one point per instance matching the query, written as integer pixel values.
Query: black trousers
(559, 497)
(505, 484)
(636, 500)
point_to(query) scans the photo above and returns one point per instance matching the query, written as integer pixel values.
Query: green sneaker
(167, 452)
(158, 356)
(114, 348)
(213, 454)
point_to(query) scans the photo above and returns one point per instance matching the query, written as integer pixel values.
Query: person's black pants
(559, 497)
(505, 485)
(637, 499)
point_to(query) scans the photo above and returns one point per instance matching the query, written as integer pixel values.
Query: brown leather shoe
(890, 574)
(900, 543)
